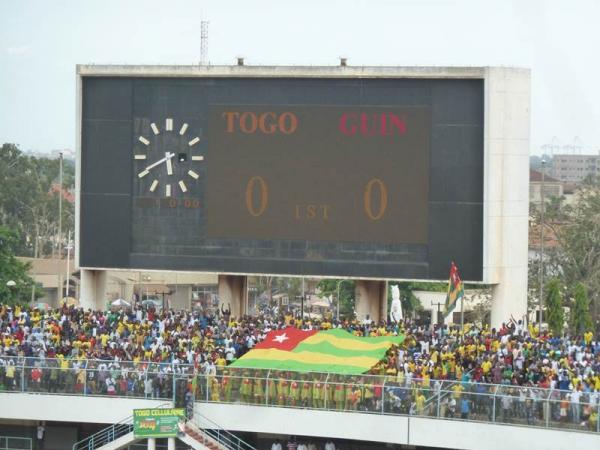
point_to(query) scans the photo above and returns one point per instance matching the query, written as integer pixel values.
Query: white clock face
(167, 161)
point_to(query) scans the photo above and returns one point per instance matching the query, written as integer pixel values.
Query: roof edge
(190, 71)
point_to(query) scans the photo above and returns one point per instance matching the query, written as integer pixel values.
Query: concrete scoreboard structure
(371, 173)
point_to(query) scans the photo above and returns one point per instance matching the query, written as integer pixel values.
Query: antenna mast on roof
(203, 42)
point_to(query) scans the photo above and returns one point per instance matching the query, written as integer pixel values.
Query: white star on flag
(281, 338)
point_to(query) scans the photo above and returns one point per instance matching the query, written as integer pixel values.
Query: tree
(581, 320)
(580, 241)
(410, 303)
(329, 287)
(575, 257)
(265, 285)
(28, 202)
(554, 307)
(13, 270)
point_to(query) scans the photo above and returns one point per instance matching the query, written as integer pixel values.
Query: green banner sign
(156, 423)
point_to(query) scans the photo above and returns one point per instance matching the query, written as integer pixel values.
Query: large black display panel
(374, 178)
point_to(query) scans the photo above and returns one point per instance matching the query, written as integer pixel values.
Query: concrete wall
(394, 429)
(336, 425)
(67, 408)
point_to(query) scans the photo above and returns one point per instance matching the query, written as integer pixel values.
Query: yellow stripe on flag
(347, 344)
(274, 354)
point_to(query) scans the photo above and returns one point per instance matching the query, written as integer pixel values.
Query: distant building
(552, 187)
(49, 274)
(68, 154)
(575, 168)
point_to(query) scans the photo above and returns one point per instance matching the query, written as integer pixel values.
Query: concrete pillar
(93, 289)
(371, 300)
(233, 293)
(171, 443)
(181, 297)
(383, 301)
(434, 317)
(151, 443)
(506, 190)
(128, 292)
(507, 297)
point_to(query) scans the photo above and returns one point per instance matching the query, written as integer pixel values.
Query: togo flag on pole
(455, 290)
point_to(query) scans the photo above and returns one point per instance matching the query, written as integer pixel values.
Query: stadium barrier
(384, 394)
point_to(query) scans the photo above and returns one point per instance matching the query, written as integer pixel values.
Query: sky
(41, 41)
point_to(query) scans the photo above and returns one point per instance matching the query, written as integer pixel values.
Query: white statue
(396, 308)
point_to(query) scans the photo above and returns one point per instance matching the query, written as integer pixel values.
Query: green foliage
(410, 303)
(576, 258)
(329, 287)
(292, 287)
(581, 320)
(554, 307)
(11, 269)
(27, 204)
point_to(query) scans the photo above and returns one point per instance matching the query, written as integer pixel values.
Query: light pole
(542, 202)
(35, 256)
(69, 248)
(339, 283)
(10, 284)
(60, 191)
(302, 303)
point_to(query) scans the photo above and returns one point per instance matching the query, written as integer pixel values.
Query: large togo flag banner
(317, 351)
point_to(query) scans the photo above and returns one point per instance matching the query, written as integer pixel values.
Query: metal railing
(452, 400)
(15, 443)
(109, 434)
(223, 437)
(375, 394)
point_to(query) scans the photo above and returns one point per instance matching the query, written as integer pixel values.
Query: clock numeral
(169, 124)
(182, 186)
(143, 140)
(155, 129)
(184, 128)
(168, 190)
(139, 157)
(153, 185)
(193, 174)
(197, 158)
(194, 141)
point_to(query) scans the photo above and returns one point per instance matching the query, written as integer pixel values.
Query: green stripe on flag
(327, 348)
(294, 366)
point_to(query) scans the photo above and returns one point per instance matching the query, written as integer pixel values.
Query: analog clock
(167, 160)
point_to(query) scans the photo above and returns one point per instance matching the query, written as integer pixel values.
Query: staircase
(114, 437)
(212, 437)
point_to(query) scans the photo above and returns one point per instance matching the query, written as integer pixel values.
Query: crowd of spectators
(123, 345)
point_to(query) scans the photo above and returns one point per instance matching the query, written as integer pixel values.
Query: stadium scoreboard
(346, 176)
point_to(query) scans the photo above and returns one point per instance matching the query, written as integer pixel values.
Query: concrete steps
(200, 440)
